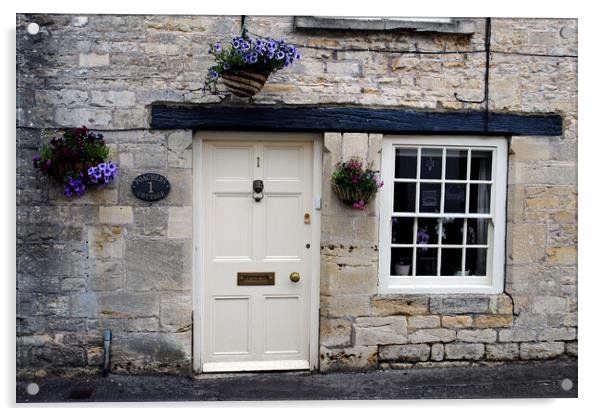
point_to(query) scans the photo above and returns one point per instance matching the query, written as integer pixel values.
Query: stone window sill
(446, 304)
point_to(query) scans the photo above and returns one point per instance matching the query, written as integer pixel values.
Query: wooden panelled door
(256, 314)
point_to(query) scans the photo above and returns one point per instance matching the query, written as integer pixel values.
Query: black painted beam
(350, 119)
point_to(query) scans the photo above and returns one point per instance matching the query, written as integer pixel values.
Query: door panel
(256, 327)
(232, 337)
(283, 228)
(232, 217)
(282, 324)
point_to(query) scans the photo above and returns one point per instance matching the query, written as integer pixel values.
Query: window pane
(480, 168)
(430, 197)
(430, 163)
(455, 197)
(453, 231)
(401, 261)
(426, 261)
(479, 198)
(404, 197)
(451, 262)
(405, 163)
(402, 230)
(455, 164)
(428, 231)
(476, 261)
(477, 231)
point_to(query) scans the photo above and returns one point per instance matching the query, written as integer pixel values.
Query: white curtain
(483, 207)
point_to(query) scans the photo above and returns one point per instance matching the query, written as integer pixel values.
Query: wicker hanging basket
(244, 84)
(351, 196)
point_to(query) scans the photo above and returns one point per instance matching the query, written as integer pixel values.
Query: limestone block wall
(535, 317)
(110, 260)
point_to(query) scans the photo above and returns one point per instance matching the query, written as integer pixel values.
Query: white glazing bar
(418, 163)
(479, 181)
(440, 245)
(439, 215)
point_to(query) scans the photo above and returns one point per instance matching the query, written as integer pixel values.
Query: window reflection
(455, 164)
(430, 163)
(406, 163)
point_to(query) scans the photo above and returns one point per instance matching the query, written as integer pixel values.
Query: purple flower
(217, 47)
(235, 43)
(271, 46)
(214, 75)
(280, 55)
(422, 238)
(226, 67)
(245, 46)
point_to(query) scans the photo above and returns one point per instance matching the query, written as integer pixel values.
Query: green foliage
(352, 175)
(258, 55)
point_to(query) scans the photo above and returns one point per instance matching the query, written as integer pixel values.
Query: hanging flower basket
(246, 63)
(351, 195)
(60, 169)
(77, 161)
(354, 185)
(243, 83)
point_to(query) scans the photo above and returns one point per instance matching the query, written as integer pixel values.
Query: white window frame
(494, 281)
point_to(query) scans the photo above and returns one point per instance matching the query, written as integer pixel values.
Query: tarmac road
(539, 379)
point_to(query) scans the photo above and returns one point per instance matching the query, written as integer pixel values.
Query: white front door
(255, 317)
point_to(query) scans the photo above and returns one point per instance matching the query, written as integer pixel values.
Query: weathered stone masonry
(108, 260)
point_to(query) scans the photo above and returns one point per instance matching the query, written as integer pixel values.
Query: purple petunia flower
(280, 55)
(226, 67)
(214, 75)
(217, 47)
(235, 43)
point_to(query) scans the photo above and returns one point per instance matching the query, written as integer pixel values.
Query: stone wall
(110, 260)
(535, 317)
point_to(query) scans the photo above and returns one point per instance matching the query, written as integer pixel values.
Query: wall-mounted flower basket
(351, 196)
(244, 84)
(354, 185)
(246, 63)
(77, 161)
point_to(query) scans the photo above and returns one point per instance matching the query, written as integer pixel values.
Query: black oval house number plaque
(150, 187)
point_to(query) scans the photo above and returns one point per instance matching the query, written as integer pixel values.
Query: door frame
(199, 211)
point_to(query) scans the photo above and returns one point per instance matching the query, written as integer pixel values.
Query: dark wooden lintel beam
(350, 119)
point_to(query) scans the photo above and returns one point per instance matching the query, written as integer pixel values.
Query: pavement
(538, 379)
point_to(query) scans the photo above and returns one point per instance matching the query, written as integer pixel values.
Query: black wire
(420, 52)
(486, 80)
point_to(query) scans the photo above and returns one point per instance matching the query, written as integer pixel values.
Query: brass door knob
(295, 277)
